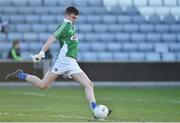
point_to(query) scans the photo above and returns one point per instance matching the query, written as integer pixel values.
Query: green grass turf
(70, 104)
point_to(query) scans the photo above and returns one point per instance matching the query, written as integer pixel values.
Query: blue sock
(93, 105)
(22, 76)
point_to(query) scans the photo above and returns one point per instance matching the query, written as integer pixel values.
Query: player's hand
(38, 57)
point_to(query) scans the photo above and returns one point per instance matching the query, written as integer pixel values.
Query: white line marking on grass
(4, 113)
(52, 96)
(65, 116)
(174, 101)
(38, 94)
(33, 94)
(7, 113)
(45, 95)
(59, 115)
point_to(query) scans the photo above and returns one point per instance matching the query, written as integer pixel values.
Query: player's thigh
(49, 77)
(82, 78)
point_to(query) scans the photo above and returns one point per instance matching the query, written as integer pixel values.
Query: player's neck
(68, 20)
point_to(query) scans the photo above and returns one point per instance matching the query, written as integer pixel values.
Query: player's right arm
(61, 30)
(52, 38)
(45, 47)
(55, 36)
(48, 43)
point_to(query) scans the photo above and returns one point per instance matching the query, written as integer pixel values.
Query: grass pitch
(70, 104)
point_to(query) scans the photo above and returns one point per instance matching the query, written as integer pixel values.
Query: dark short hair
(15, 42)
(71, 10)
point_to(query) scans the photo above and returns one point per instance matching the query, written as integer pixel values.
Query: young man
(14, 53)
(65, 63)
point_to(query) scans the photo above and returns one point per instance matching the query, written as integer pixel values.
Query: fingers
(35, 58)
(41, 54)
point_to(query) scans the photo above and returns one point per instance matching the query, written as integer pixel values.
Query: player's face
(17, 46)
(72, 17)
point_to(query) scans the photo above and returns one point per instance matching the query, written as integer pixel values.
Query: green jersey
(67, 37)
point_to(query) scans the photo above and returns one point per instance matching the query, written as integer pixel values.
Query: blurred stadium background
(120, 40)
(135, 30)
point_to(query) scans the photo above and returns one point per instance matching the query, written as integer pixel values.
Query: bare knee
(43, 86)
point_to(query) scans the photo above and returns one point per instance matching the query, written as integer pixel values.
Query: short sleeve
(61, 30)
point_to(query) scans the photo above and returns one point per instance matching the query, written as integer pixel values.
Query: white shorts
(65, 66)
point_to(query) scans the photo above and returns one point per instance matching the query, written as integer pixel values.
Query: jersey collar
(66, 20)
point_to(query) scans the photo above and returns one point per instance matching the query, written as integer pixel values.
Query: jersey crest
(74, 37)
